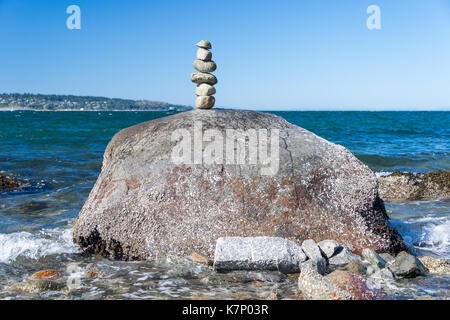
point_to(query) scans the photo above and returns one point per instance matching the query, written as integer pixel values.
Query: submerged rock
(8, 183)
(258, 253)
(47, 275)
(145, 204)
(92, 271)
(401, 186)
(37, 286)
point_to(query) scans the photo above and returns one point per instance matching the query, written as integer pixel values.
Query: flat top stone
(204, 44)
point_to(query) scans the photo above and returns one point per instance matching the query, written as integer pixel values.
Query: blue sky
(271, 55)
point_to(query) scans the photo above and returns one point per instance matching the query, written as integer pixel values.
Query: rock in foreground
(338, 285)
(144, 204)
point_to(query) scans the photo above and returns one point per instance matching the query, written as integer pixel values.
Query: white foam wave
(436, 236)
(382, 173)
(37, 245)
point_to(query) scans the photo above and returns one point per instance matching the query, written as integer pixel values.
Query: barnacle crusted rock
(144, 205)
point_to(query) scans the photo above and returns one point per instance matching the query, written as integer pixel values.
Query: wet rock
(145, 204)
(47, 275)
(215, 278)
(435, 265)
(312, 250)
(274, 295)
(355, 285)
(373, 258)
(343, 256)
(8, 183)
(92, 271)
(257, 253)
(406, 265)
(200, 259)
(328, 247)
(401, 186)
(37, 286)
(32, 207)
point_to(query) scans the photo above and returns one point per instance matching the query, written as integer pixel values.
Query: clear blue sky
(271, 55)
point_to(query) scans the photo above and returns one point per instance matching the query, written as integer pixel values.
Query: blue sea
(60, 153)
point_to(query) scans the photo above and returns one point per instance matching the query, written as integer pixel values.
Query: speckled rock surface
(343, 256)
(312, 250)
(406, 265)
(8, 183)
(436, 265)
(373, 258)
(328, 247)
(144, 205)
(338, 285)
(258, 253)
(400, 186)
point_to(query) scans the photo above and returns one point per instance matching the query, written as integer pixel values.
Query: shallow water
(61, 153)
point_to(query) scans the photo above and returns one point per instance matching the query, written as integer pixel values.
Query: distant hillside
(62, 102)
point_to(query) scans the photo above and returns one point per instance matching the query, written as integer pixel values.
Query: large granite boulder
(147, 202)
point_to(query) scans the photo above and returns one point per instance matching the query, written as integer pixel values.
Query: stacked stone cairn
(204, 79)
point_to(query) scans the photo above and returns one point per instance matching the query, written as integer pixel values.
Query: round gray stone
(204, 44)
(204, 66)
(204, 89)
(201, 77)
(204, 54)
(205, 102)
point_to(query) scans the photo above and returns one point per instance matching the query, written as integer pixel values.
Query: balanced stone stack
(204, 79)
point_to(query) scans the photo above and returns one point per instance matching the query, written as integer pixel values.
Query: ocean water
(60, 153)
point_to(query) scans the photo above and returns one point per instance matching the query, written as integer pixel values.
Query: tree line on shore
(63, 102)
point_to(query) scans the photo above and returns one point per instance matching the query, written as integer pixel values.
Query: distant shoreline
(72, 110)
